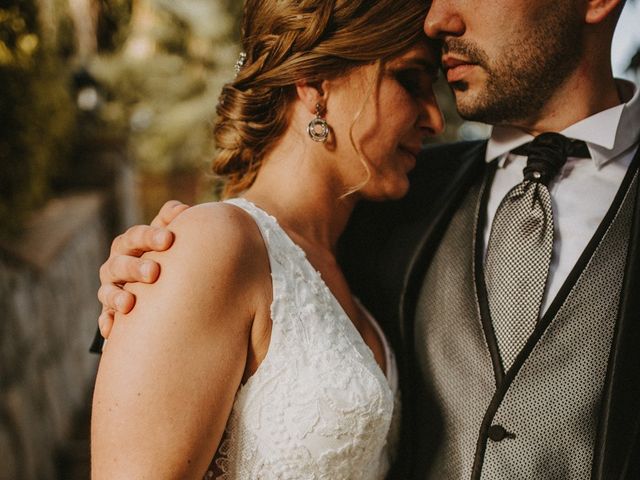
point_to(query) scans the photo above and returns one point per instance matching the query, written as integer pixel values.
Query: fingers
(124, 266)
(105, 322)
(144, 238)
(141, 238)
(118, 270)
(121, 269)
(168, 212)
(115, 299)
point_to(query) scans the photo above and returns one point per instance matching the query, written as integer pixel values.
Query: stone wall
(48, 312)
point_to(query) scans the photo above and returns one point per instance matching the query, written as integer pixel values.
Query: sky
(626, 39)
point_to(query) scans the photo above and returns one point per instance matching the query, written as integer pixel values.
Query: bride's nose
(430, 120)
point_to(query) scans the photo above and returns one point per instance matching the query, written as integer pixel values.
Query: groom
(513, 300)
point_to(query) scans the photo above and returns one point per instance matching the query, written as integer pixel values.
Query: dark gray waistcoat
(539, 419)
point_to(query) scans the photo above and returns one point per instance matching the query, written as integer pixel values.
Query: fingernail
(145, 270)
(119, 301)
(160, 237)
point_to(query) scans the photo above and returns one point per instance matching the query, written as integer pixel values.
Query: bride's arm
(167, 380)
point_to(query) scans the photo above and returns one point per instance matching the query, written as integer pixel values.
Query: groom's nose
(444, 19)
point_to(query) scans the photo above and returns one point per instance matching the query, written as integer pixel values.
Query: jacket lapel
(471, 169)
(617, 451)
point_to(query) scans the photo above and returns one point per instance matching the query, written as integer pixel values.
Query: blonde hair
(290, 40)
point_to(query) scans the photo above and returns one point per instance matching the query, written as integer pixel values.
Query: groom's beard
(521, 79)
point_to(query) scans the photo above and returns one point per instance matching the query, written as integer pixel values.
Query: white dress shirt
(584, 189)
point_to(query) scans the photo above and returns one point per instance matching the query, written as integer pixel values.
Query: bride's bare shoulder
(217, 225)
(219, 244)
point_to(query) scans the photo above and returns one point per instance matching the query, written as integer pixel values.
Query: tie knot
(547, 153)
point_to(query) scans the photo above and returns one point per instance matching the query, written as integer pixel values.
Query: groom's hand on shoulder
(124, 264)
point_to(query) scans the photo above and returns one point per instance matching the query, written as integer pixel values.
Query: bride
(249, 357)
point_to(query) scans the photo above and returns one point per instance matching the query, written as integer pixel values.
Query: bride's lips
(456, 68)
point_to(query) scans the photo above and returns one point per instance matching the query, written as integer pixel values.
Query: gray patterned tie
(521, 243)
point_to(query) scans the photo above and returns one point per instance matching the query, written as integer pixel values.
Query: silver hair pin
(242, 58)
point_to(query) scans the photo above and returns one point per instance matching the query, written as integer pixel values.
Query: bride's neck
(301, 191)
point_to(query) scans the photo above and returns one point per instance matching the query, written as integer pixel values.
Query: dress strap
(278, 245)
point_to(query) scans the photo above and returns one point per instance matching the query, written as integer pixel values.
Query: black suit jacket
(385, 252)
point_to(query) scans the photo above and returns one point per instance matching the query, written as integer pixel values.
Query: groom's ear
(599, 10)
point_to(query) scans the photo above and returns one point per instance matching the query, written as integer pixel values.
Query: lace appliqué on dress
(319, 406)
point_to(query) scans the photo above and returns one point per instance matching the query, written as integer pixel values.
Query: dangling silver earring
(318, 127)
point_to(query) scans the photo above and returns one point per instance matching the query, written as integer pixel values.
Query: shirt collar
(607, 133)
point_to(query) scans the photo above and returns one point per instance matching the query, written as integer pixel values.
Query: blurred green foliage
(113, 24)
(37, 113)
(159, 101)
(164, 82)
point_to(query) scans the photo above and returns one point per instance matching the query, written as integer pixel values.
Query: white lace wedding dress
(319, 406)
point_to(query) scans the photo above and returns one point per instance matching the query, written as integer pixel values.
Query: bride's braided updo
(290, 40)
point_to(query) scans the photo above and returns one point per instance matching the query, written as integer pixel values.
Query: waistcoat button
(497, 433)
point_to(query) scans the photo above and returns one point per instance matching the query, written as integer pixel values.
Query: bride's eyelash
(406, 79)
(411, 81)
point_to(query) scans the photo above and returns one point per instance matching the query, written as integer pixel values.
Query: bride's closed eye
(417, 81)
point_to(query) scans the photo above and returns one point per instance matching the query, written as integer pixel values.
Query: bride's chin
(388, 191)
(400, 192)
